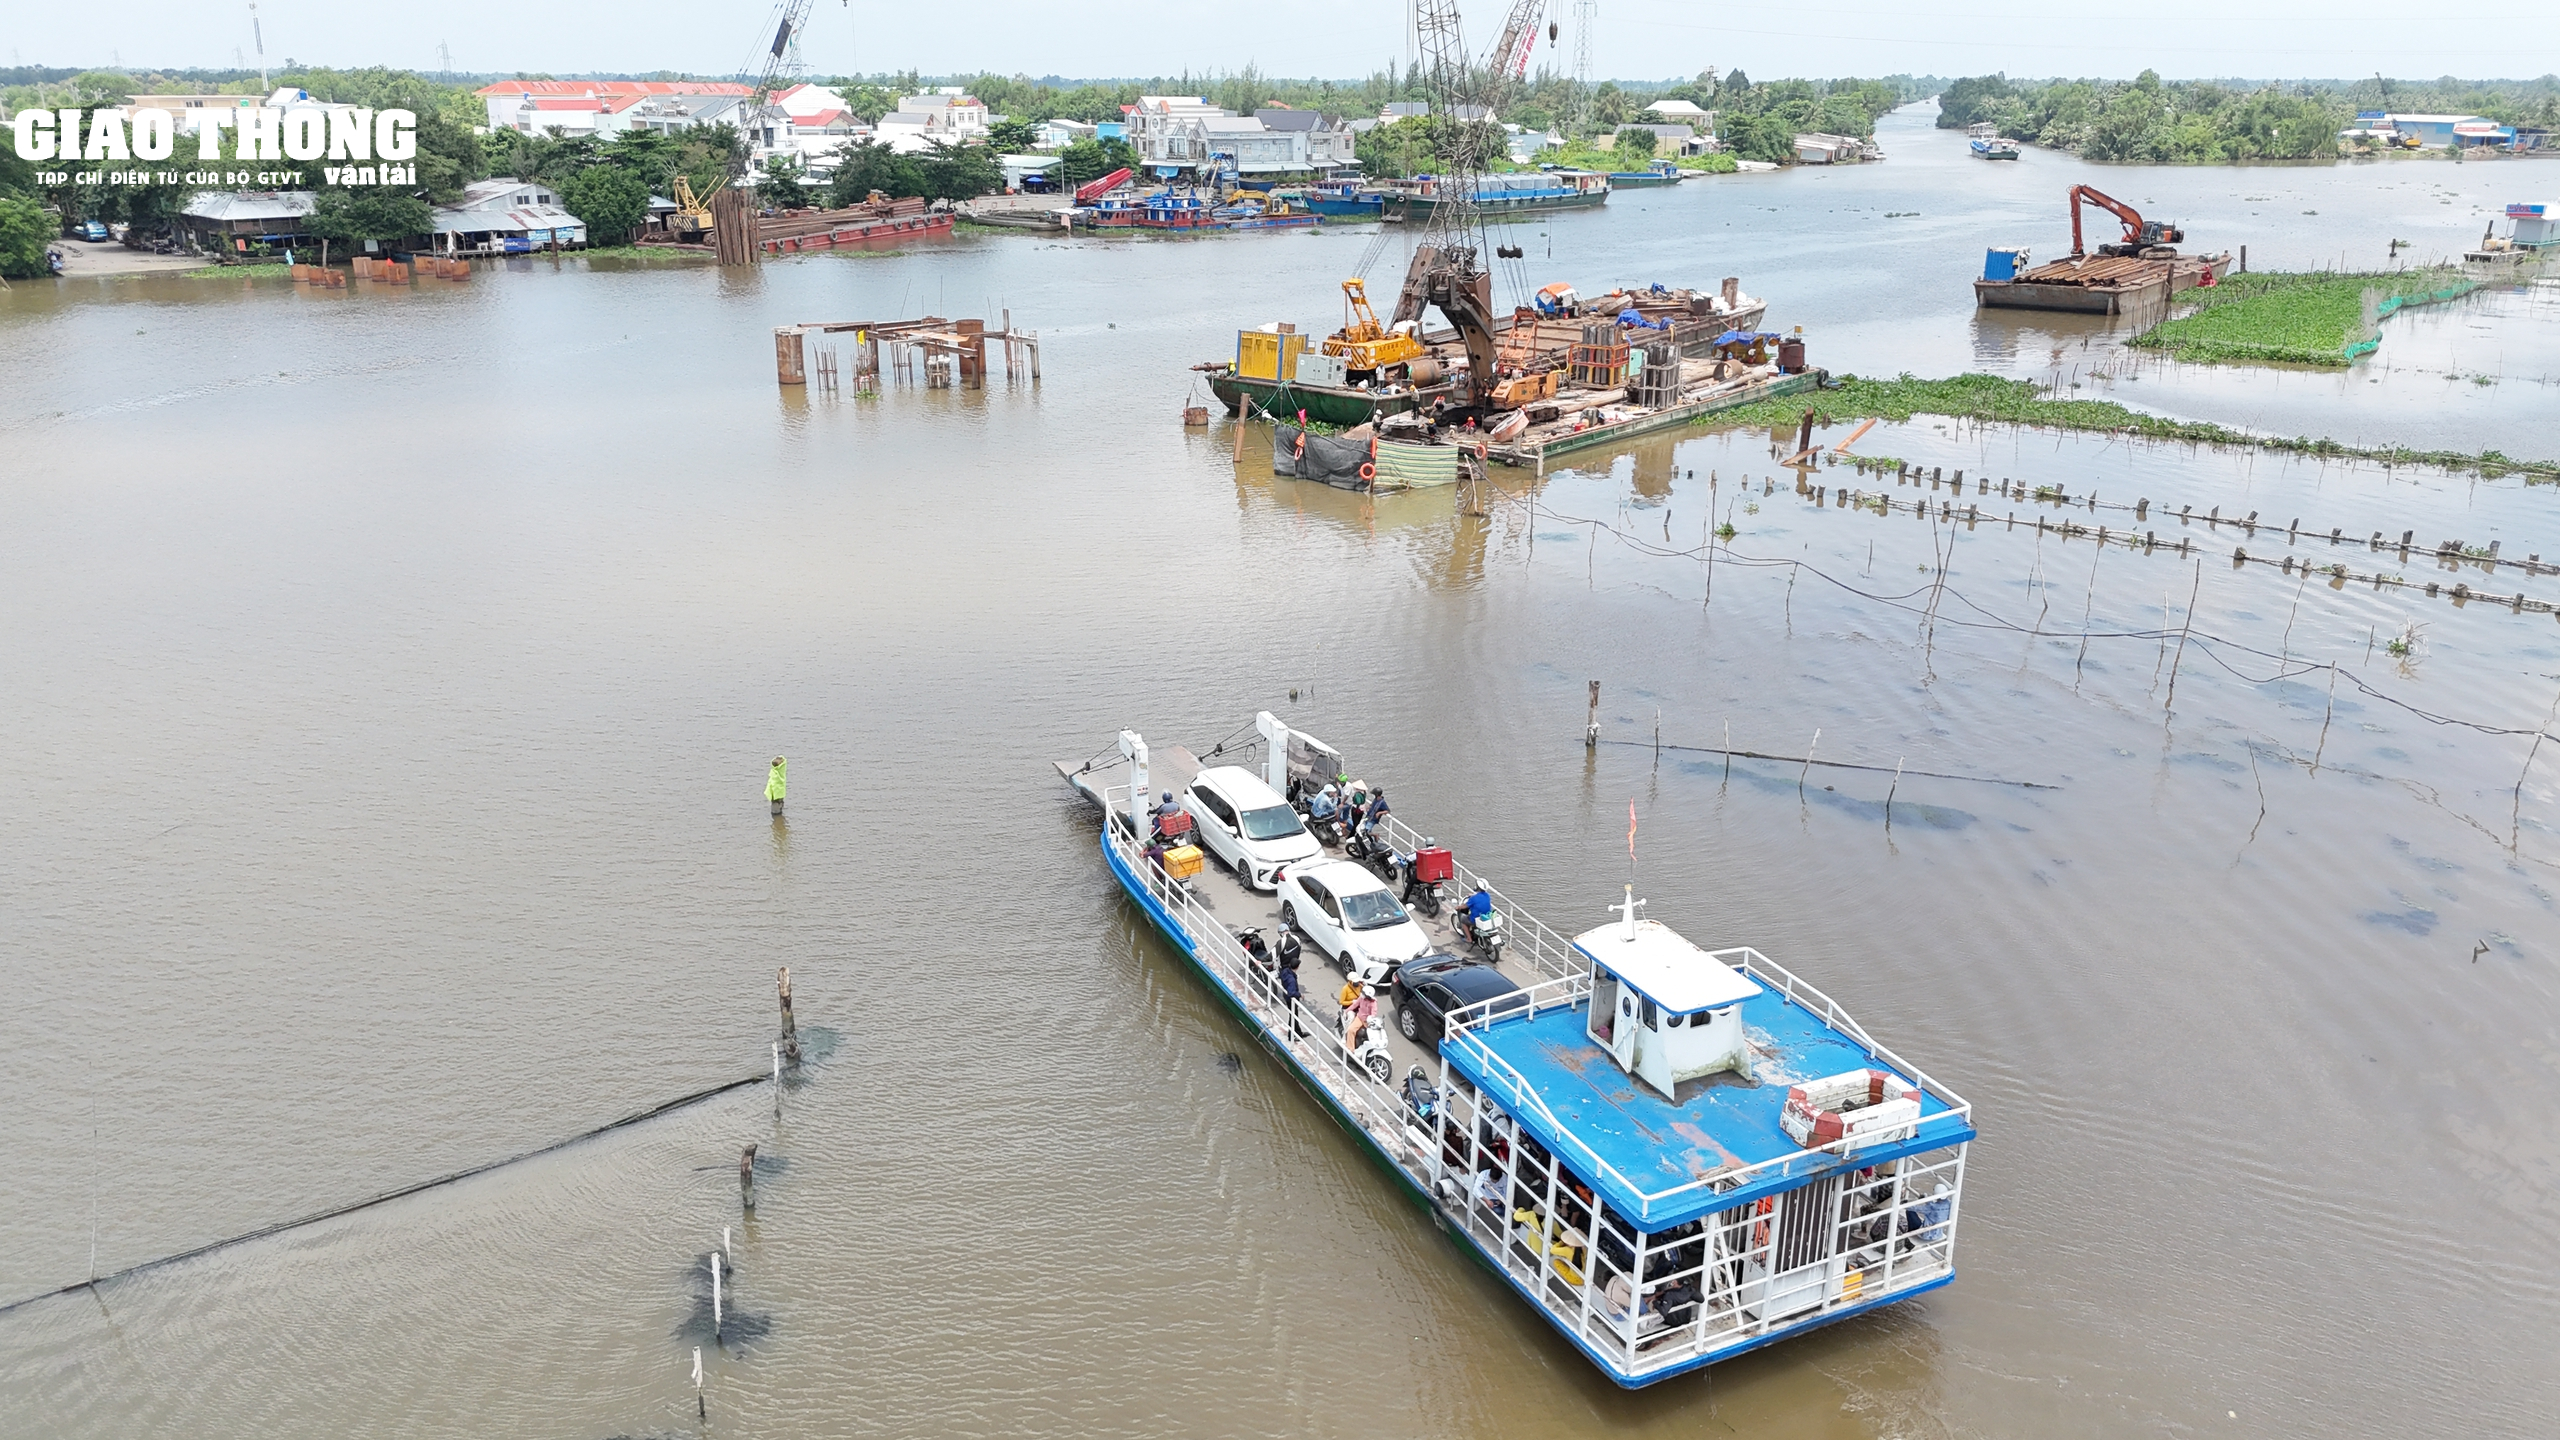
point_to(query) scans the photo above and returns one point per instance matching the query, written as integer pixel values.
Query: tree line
(2202, 122)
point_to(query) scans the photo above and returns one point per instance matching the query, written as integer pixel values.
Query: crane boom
(1447, 273)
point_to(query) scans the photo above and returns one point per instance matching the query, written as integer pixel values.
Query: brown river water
(389, 678)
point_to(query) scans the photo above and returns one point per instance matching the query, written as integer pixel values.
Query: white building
(667, 114)
(1524, 146)
(506, 216)
(1059, 134)
(1153, 123)
(1680, 112)
(1326, 146)
(944, 117)
(508, 110)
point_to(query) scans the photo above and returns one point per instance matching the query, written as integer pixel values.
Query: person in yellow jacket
(773, 785)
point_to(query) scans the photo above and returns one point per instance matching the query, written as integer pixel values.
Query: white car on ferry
(1242, 821)
(1353, 917)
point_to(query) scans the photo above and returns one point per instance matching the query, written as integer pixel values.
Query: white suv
(1250, 829)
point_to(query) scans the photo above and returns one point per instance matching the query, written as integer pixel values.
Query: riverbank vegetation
(2320, 318)
(2000, 400)
(2204, 122)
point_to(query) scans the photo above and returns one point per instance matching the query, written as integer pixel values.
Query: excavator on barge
(2143, 267)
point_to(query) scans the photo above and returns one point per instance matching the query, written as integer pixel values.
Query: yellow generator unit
(1269, 354)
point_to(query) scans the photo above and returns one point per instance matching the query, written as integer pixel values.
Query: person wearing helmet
(1165, 810)
(1373, 816)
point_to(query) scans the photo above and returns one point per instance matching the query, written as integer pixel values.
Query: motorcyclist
(1324, 806)
(1372, 816)
(1165, 811)
(1363, 1011)
(1412, 873)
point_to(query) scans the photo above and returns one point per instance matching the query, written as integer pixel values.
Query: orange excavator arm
(2083, 194)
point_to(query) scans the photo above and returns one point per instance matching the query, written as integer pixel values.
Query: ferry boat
(1672, 1155)
(1984, 137)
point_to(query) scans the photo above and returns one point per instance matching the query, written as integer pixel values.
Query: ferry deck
(1659, 1229)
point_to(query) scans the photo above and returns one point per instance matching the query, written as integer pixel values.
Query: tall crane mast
(1447, 272)
(769, 70)
(1586, 15)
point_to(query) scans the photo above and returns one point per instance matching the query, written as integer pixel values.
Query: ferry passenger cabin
(1686, 1154)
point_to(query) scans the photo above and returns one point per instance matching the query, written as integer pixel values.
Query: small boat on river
(1659, 173)
(1672, 1155)
(1987, 144)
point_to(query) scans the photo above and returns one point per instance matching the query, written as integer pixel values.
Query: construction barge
(2142, 269)
(1357, 377)
(1672, 1155)
(2092, 284)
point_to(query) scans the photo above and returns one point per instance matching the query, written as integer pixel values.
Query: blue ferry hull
(1181, 941)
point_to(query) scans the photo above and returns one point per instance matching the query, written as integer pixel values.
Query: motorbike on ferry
(1256, 949)
(1369, 1048)
(1480, 925)
(1326, 828)
(1420, 876)
(1421, 1110)
(1369, 844)
(1421, 1097)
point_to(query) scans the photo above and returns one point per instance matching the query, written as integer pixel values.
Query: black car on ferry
(1427, 989)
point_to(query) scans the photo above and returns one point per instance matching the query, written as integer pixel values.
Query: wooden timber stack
(733, 228)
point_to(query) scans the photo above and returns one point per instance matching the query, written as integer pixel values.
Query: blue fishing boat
(1346, 200)
(1673, 1155)
(1984, 138)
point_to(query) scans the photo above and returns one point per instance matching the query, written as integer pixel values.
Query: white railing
(1551, 952)
(1318, 1046)
(1866, 1237)
(1760, 967)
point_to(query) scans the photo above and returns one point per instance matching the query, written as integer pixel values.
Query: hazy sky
(1635, 39)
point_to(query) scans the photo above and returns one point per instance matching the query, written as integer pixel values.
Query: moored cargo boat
(1672, 1155)
(1499, 196)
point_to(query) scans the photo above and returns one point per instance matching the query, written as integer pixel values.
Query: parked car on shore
(94, 230)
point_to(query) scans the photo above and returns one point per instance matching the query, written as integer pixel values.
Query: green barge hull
(1337, 405)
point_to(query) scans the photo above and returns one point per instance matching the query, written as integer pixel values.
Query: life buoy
(1368, 471)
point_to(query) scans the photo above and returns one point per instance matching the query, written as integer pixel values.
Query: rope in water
(388, 1196)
